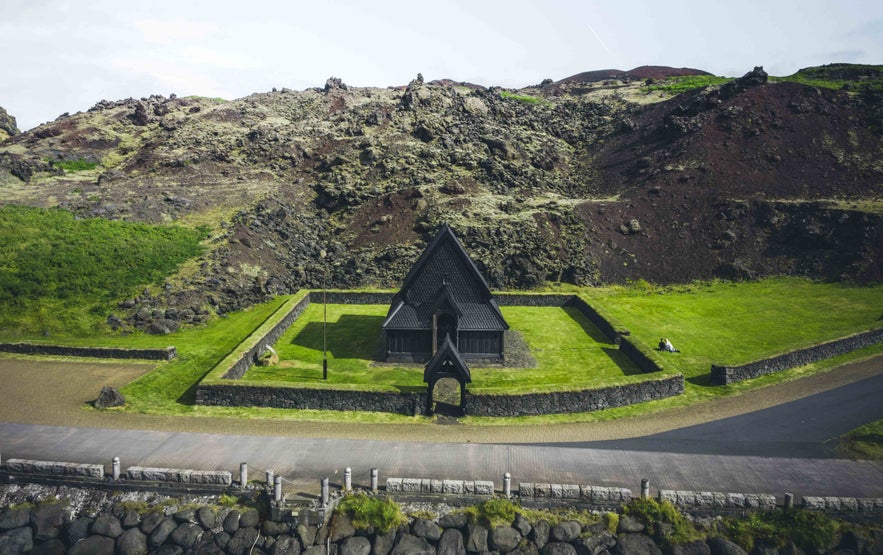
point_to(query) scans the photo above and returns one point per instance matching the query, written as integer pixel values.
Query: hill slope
(577, 181)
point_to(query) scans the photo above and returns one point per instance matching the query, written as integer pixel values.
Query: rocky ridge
(579, 181)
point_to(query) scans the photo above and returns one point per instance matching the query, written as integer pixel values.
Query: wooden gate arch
(447, 363)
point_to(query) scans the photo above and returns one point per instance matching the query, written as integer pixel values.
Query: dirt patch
(53, 392)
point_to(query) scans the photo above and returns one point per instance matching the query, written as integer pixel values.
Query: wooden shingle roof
(445, 273)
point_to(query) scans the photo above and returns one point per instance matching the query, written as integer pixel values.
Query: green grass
(59, 273)
(813, 532)
(729, 323)
(372, 512)
(523, 98)
(651, 513)
(678, 85)
(864, 442)
(570, 353)
(837, 76)
(78, 165)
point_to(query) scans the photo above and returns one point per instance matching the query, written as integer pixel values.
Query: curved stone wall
(167, 353)
(723, 375)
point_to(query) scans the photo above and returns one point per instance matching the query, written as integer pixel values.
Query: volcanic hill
(602, 177)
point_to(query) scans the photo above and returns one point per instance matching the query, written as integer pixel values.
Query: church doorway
(447, 397)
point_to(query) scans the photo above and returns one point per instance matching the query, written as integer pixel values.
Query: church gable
(444, 293)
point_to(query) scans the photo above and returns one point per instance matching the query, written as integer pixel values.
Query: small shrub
(228, 501)
(808, 530)
(492, 513)
(372, 512)
(652, 512)
(612, 522)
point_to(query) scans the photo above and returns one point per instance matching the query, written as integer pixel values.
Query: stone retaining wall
(598, 495)
(180, 475)
(301, 398)
(352, 297)
(253, 345)
(718, 500)
(167, 353)
(574, 401)
(449, 487)
(636, 354)
(723, 375)
(54, 468)
(844, 504)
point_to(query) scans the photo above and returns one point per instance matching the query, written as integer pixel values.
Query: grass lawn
(864, 442)
(710, 323)
(570, 352)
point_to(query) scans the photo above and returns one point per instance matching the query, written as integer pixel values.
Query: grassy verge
(864, 442)
(678, 85)
(60, 274)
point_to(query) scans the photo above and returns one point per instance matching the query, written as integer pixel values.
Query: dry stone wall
(574, 401)
(723, 375)
(167, 353)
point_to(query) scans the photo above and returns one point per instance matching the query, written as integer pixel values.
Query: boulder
(93, 545)
(242, 541)
(341, 527)
(109, 397)
(167, 549)
(522, 525)
(567, 531)
(558, 548)
(161, 533)
(131, 542)
(477, 540)
(452, 520)
(540, 533)
(635, 544)
(629, 525)
(272, 528)
(107, 525)
(15, 519)
(307, 534)
(504, 539)
(186, 535)
(424, 528)
(412, 545)
(52, 547)
(18, 540)
(231, 523)
(356, 545)
(383, 542)
(78, 530)
(286, 545)
(130, 519)
(451, 543)
(723, 546)
(596, 543)
(185, 515)
(46, 519)
(150, 521)
(249, 519)
(207, 517)
(315, 550)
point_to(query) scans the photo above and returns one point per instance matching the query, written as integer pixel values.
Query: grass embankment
(864, 442)
(684, 83)
(570, 352)
(59, 274)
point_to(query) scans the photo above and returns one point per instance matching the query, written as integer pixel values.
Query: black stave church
(444, 295)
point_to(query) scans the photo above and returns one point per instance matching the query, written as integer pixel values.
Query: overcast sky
(64, 56)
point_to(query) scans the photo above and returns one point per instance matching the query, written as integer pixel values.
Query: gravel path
(54, 393)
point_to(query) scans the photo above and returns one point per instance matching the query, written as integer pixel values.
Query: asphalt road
(805, 428)
(760, 451)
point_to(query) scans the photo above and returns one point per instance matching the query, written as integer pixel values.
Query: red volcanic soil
(642, 72)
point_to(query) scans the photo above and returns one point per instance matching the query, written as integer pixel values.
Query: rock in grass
(109, 397)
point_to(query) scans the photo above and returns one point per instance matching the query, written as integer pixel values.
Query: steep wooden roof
(444, 274)
(455, 367)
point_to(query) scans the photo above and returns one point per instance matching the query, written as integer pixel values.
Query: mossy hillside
(59, 272)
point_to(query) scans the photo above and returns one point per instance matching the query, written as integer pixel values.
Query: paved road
(304, 460)
(805, 428)
(707, 460)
